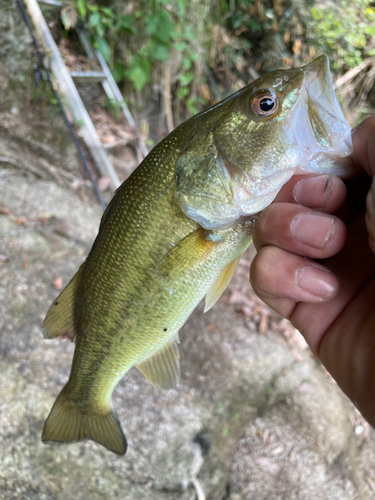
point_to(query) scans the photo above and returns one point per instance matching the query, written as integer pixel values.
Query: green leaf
(138, 72)
(108, 23)
(181, 9)
(186, 78)
(165, 29)
(189, 33)
(370, 29)
(161, 53)
(160, 26)
(151, 24)
(193, 56)
(81, 7)
(180, 46)
(118, 71)
(92, 8)
(192, 105)
(182, 92)
(186, 63)
(94, 20)
(103, 47)
(126, 23)
(108, 12)
(100, 30)
(174, 34)
(138, 77)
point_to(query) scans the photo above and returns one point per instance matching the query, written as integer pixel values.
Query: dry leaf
(69, 17)
(57, 283)
(262, 323)
(297, 47)
(103, 183)
(292, 455)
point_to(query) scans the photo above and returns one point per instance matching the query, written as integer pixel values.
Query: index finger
(320, 192)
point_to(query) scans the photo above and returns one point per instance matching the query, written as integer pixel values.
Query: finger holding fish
(279, 273)
(282, 279)
(299, 230)
(325, 193)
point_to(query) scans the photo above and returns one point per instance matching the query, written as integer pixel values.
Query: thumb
(364, 158)
(370, 215)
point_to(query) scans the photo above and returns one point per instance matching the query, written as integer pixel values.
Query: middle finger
(299, 230)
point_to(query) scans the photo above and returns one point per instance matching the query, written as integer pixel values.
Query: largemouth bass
(174, 232)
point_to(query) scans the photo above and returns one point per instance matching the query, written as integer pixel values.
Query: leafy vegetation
(199, 50)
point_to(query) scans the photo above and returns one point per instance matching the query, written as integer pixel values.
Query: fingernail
(316, 281)
(312, 192)
(312, 230)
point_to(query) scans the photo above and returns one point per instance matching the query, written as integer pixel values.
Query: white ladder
(71, 96)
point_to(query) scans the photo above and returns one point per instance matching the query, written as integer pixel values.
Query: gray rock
(77, 220)
(17, 238)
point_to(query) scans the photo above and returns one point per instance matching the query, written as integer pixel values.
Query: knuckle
(261, 268)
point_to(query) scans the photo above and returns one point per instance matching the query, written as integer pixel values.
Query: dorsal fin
(219, 285)
(59, 322)
(162, 369)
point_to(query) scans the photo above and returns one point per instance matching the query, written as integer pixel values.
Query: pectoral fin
(219, 285)
(59, 322)
(163, 368)
(187, 254)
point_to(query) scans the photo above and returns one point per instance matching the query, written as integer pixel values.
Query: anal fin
(162, 369)
(219, 285)
(59, 322)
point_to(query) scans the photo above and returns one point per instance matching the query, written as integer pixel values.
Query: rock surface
(254, 417)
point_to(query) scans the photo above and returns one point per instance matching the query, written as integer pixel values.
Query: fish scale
(174, 232)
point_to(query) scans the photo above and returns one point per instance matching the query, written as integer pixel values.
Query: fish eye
(264, 104)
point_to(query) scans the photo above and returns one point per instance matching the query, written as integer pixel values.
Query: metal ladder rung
(110, 87)
(52, 3)
(91, 76)
(112, 145)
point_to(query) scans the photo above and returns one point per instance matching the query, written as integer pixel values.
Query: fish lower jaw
(331, 161)
(245, 202)
(263, 191)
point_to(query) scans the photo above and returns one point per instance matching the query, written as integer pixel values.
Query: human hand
(330, 300)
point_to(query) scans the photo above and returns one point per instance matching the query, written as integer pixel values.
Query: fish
(174, 232)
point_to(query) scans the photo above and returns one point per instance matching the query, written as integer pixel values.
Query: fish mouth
(318, 85)
(314, 69)
(319, 124)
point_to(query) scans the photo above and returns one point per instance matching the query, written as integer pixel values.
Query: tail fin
(69, 423)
